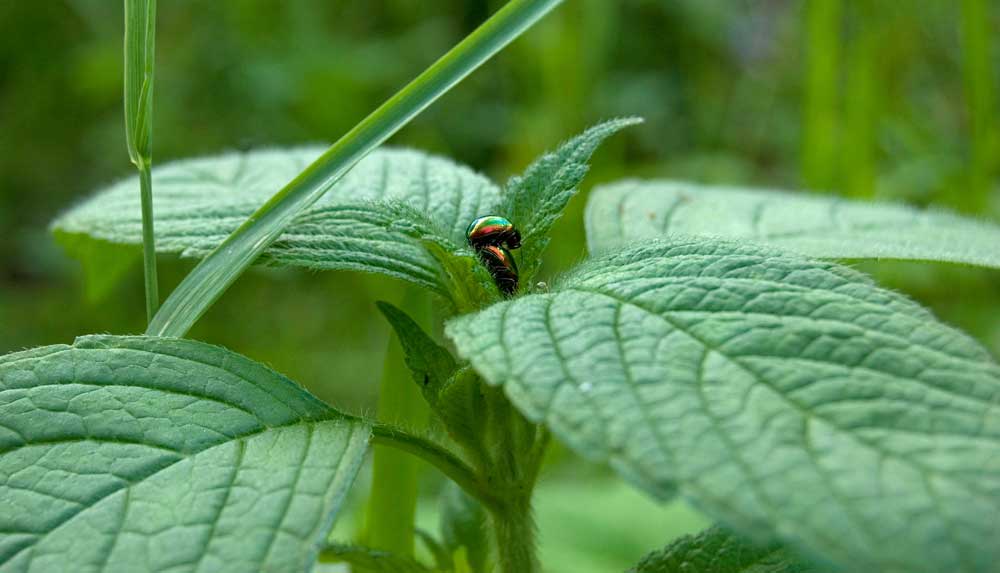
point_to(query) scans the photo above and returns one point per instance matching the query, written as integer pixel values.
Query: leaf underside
(147, 454)
(199, 202)
(788, 397)
(716, 550)
(819, 226)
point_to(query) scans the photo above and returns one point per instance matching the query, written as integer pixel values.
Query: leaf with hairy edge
(199, 202)
(819, 226)
(149, 454)
(716, 550)
(535, 200)
(787, 397)
(430, 364)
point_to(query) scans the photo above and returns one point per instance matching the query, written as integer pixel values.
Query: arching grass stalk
(206, 283)
(140, 35)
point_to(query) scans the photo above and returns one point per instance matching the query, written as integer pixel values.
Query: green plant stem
(861, 113)
(518, 446)
(148, 242)
(392, 505)
(206, 283)
(515, 537)
(978, 75)
(820, 121)
(448, 463)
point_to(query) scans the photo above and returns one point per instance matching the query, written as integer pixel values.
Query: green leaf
(824, 227)
(716, 550)
(535, 200)
(454, 394)
(147, 454)
(206, 283)
(787, 397)
(199, 202)
(372, 560)
(465, 411)
(430, 364)
(463, 525)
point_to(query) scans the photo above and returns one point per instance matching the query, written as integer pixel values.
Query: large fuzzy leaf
(146, 454)
(199, 202)
(819, 226)
(788, 397)
(716, 550)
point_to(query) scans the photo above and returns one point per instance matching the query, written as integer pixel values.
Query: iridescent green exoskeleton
(493, 230)
(492, 237)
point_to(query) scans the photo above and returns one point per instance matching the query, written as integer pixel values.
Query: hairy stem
(515, 537)
(518, 447)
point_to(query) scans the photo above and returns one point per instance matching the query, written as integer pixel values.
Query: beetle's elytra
(492, 230)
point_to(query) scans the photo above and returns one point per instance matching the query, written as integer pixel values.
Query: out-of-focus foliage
(723, 87)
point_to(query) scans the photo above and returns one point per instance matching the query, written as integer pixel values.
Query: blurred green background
(865, 98)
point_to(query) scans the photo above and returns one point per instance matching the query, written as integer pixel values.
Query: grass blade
(206, 283)
(140, 36)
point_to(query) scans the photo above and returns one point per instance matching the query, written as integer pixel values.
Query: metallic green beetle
(492, 237)
(492, 230)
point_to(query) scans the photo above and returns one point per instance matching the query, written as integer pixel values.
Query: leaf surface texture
(148, 454)
(199, 202)
(789, 398)
(819, 226)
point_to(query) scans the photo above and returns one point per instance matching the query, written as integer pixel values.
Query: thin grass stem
(140, 47)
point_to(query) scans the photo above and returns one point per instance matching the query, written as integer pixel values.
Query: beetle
(492, 230)
(502, 267)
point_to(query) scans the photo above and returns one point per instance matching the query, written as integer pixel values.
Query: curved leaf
(819, 226)
(716, 550)
(199, 202)
(787, 397)
(535, 200)
(146, 454)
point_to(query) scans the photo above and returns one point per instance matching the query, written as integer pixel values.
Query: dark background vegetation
(865, 98)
